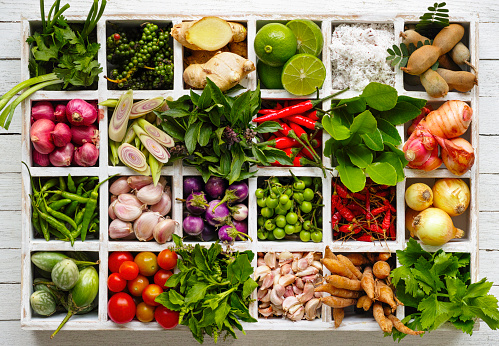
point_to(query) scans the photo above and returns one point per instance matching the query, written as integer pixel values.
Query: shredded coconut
(358, 55)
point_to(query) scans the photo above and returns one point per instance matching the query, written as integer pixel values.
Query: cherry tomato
(299, 185)
(279, 233)
(145, 312)
(118, 257)
(316, 236)
(147, 262)
(305, 236)
(116, 283)
(267, 212)
(161, 277)
(167, 259)
(259, 193)
(307, 181)
(272, 202)
(150, 293)
(283, 199)
(308, 194)
(136, 286)
(166, 318)
(306, 207)
(129, 270)
(289, 229)
(291, 218)
(121, 308)
(280, 221)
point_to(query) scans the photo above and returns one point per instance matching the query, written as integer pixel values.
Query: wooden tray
(98, 320)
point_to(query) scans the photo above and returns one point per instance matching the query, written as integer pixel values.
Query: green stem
(42, 12)
(64, 8)
(8, 113)
(68, 316)
(10, 94)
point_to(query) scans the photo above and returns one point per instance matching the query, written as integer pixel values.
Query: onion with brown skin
(452, 195)
(419, 196)
(433, 226)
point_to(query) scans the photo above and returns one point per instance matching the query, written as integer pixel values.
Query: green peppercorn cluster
(142, 58)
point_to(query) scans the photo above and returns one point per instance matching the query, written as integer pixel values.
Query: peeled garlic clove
(137, 182)
(164, 205)
(270, 259)
(150, 194)
(120, 229)
(308, 293)
(287, 279)
(311, 308)
(144, 225)
(110, 210)
(309, 271)
(289, 302)
(299, 283)
(297, 315)
(126, 212)
(163, 230)
(120, 186)
(128, 198)
(261, 272)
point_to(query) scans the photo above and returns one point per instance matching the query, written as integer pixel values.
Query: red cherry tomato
(121, 308)
(116, 283)
(137, 285)
(167, 259)
(145, 313)
(118, 257)
(166, 318)
(161, 277)
(147, 262)
(129, 270)
(150, 293)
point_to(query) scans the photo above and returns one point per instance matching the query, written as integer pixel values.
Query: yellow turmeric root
(224, 69)
(338, 314)
(208, 33)
(338, 292)
(367, 282)
(385, 324)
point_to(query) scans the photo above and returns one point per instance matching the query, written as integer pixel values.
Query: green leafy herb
(364, 138)
(433, 21)
(218, 135)
(438, 286)
(211, 291)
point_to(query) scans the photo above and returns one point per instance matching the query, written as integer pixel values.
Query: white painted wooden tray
(98, 320)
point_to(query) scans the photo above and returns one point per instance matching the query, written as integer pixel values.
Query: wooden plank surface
(10, 180)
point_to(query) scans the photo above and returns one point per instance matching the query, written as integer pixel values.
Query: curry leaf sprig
(364, 139)
(438, 286)
(217, 134)
(212, 290)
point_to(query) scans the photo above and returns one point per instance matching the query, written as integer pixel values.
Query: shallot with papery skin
(85, 134)
(143, 227)
(40, 136)
(80, 112)
(86, 155)
(126, 212)
(164, 205)
(40, 159)
(60, 113)
(62, 157)
(43, 110)
(120, 229)
(137, 182)
(163, 230)
(61, 135)
(120, 186)
(150, 194)
(457, 154)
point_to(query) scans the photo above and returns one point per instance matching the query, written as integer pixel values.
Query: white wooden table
(10, 166)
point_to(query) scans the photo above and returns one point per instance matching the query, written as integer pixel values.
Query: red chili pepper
(346, 213)
(306, 152)
(278, 106)
(281, 143)
(305, 122)
(356, 209)
(298, 108)
(348, 228)
(365, 237)
(342, 191)
(298, 130)
(392, 232)
(335, 199)
(312, 115)
(266, 111)
(316, 143)
(335, 234)
(376, 229)
(285, 128)
(335, 219)
(379, 210)
(286, 104)
(386, 221)
(388, 204)
(369, 216)
(359, 196)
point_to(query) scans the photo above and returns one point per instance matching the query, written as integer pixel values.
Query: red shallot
(80, 112)
(86, 155)
(62, 157)
(40, 135)
(60, 113)
(85, 134)
(43, 110)
(61, 135)
(40, 159)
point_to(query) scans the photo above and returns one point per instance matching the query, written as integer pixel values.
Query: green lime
(270, 76)
(308, 36)
(302, 74)
(274, 44)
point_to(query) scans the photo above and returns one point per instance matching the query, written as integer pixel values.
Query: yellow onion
(452, 195)
(433, 226)
(410, 214)
(419, 196)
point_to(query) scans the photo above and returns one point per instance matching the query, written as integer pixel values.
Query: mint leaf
(363, 123)
(379, 96)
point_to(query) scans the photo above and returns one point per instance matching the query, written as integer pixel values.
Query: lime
(308, 35)
(274, 44)
(270, 76)
(302, 74)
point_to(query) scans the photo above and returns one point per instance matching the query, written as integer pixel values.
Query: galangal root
(366, 289)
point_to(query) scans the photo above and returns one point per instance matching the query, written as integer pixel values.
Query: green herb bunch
(364, 139)
(438, 286)
(431, 22)
(217, 133)
(212, 290)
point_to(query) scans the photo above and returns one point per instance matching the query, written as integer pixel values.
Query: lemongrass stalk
(12, 92)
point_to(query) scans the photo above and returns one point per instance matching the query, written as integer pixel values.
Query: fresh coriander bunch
(438, 286)
(211, 291)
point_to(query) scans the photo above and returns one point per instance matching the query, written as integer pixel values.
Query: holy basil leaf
(241, 108)
(373, 140)
(259, 155)
(218, 96)
(394, 161)
(389, 133)
(335, 128)
(379, 96)
(205, 134)
(418, 103)
(191, 137)
(360, 155)
(352, 177)
(363, 123)
(173, 130)
(205, 99)
(176, 113)
(354, 105)
(401, 113)
(237, 163)
(382, 173)
(279, 155)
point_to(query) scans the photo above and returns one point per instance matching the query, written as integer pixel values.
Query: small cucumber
(43, 303)
(65, 274)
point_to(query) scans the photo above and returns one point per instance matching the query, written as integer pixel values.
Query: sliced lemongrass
(155, 168)
(155, 133)
(121, 114)
(113, 146)
(130, 134)
(145, 106)
(154, 148)
(109, 103)
(132, 157)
